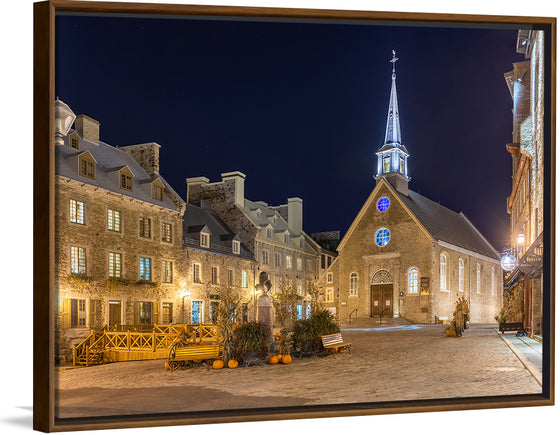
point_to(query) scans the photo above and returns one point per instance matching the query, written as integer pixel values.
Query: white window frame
(197, 273)
(353, 278)
(443, 272)
(478, 278)
(116, 271)
(288, 261)
(78, 260)
(167, 271)
(244, 279)
(215, 275)
(461, 275)
(265, 257)
(77, 212)
(236, 247)
(413, 279)
(329, 277)
(205, 240)
(329, 294)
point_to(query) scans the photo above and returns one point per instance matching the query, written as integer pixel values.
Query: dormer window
(157, 190)
(126, 178)
(286, 238)
(87, 165)
(236, 247)
(74, 141)
(205, 240)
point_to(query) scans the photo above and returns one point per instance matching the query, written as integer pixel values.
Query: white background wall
(16, 70)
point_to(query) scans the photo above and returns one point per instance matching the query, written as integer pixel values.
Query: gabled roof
(437, 222)
(446, 225)
(108, 160)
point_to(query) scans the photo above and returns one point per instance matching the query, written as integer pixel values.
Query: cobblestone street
(385, 364)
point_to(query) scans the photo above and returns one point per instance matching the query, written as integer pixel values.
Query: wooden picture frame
(44, 218)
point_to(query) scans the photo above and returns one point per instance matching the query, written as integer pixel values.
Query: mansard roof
(108, 159)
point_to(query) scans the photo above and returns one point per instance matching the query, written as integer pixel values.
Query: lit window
(413, 280)
(288, 261)
(145, 227)
(87, 168)
(166, 232)
(382, 236)
(353, 284)
(75, 309)
(115, 265)
(196, 273)
(204, 240)
(244, 282)
(114, 220)
(461, 275)
(383, 203)
(329, 295)
(478, 277)
(299, 287)
(443, 272)
(77, 214)
(145, 269)
(167, 267)
(386, 164)
(236, 247)
(78, 260)
(401, 165)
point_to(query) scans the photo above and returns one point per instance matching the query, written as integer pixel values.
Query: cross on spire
(394, 61)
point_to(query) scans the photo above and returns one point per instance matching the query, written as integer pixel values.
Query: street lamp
(63, 119)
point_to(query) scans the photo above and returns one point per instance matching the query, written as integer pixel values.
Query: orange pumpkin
(279, 356)
(197, 361)
(273, 359)
(232, 363)
(286, 359)
(342, 350)
(167, 365)
(218, 364)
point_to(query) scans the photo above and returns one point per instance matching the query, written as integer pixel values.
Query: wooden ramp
(130, 344)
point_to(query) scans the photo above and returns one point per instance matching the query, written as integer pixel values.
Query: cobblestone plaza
(401, 363)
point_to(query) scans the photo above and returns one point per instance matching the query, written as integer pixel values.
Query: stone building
(118, 235)
(215, 259)
(407, 256)
(525, 203)
(283, 251)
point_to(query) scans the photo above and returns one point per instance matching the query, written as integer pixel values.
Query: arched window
(443, 272)
(493, 280)
(353, 284)
(478, 277)
(461, 275)
(413, 281)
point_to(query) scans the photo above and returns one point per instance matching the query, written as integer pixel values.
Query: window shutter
(66, 313)
(155, 319)
(136, 313)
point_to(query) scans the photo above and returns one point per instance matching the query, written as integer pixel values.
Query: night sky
(301, 108)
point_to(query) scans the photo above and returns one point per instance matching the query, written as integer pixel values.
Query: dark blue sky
(300, 108)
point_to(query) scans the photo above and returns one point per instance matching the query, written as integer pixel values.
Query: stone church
(407, 256)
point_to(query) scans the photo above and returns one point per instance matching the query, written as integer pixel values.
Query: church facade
(407, 256)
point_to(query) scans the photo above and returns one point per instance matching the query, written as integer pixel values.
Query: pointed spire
(393, 130)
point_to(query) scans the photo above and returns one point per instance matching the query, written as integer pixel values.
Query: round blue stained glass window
(383, 203)
(382, 236)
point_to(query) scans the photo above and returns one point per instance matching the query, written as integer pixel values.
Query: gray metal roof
(108, 160)
(221, 236)
(446, 225)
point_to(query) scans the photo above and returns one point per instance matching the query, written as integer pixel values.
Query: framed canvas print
(178, 277)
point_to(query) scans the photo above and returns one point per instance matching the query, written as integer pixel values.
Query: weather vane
(394, 60)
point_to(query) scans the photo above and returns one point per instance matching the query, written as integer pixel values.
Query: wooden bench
(334, 341)
(514, 327)
(180, 354)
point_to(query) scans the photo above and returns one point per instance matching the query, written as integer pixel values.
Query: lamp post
(63, 120)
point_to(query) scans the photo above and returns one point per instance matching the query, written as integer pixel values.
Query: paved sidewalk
(528, 351)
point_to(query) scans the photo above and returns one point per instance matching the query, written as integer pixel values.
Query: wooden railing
(90, 351)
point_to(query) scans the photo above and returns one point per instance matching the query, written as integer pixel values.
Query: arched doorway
(382, 294)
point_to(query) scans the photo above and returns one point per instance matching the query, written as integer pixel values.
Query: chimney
(146, 154)
(295, 214)
(193, 182)
(238, 179)
(87, 127)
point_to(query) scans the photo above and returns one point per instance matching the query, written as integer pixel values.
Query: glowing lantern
(508, 262)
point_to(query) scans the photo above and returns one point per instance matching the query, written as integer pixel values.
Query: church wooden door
(382, 300)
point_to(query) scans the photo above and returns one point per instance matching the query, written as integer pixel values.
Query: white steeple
(392, 157)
